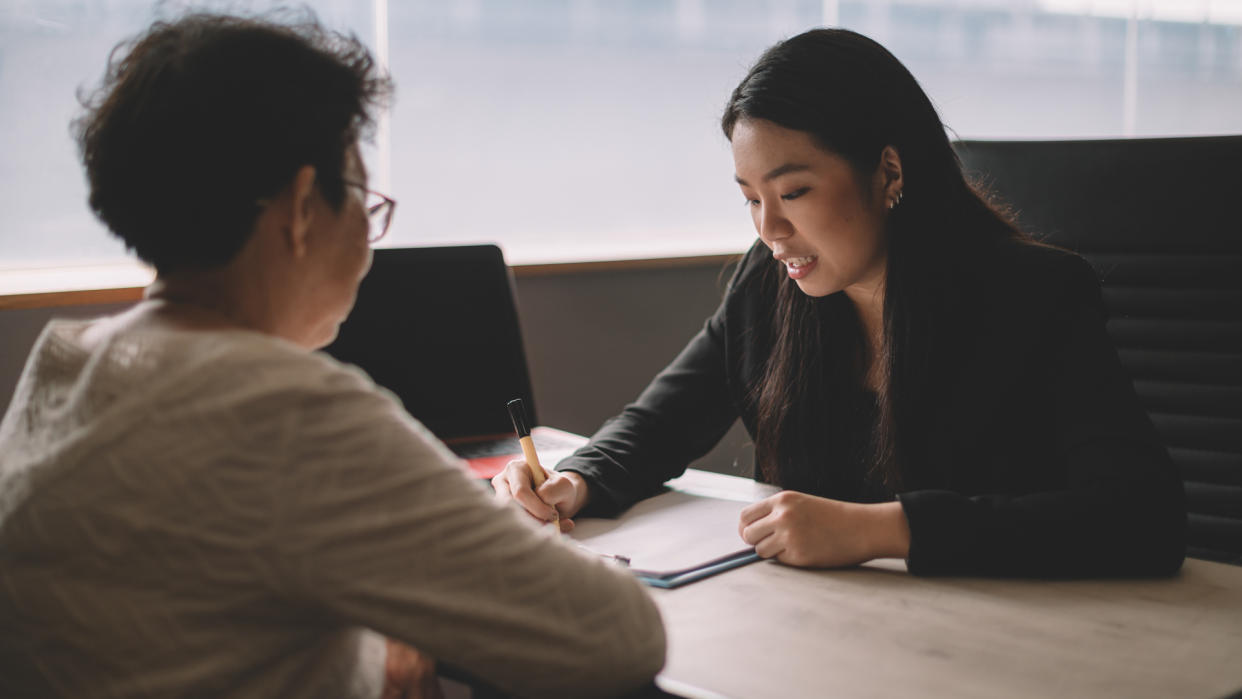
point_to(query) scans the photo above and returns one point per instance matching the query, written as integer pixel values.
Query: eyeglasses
(379, 211)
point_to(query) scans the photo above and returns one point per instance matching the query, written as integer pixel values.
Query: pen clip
(623, 561)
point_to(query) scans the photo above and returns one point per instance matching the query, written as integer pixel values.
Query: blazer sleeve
(1121, 510)
(684, 412)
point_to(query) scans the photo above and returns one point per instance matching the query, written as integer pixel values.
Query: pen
(517, 412)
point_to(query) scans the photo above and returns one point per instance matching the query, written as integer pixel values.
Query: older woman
(191, 499)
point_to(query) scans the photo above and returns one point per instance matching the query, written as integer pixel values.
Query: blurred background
(588, 129)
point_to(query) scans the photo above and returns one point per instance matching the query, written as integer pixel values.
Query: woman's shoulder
(1032, 259)
(274, 366)
(259, 358)
(1017, 270)
(265, 383)
(218, 369)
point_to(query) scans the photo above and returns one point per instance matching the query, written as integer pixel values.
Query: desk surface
(770, 630)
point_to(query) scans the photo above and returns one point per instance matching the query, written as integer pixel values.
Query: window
(49, 49)
(588, 129)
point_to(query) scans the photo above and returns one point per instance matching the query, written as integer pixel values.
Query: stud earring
(896, 200)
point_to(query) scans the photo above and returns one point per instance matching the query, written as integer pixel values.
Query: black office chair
(1159, 220)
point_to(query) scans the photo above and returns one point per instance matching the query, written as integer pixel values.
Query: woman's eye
(751, 202)
(795, 194)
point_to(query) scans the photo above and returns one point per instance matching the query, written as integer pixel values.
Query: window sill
(73, 285)
(122, 283)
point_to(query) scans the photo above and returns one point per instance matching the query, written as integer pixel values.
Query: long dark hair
(855, 98)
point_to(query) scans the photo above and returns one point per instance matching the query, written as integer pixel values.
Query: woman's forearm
(889, 530)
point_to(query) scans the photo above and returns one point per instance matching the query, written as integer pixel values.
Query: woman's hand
(810, 532)
(565, 491)
(409, 674)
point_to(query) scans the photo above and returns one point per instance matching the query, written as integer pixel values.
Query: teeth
(799, 261)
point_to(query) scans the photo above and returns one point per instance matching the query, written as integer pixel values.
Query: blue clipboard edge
(668, 581)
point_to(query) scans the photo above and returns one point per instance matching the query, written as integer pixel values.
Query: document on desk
(671, 539)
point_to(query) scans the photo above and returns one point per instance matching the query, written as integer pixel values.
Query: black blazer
(1039, 459)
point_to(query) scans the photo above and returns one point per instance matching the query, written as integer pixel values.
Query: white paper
(670, 532)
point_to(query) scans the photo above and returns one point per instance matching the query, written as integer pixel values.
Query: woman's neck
(869, 305)
(198, 302)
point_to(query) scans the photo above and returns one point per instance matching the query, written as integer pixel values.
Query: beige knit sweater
(224, 514)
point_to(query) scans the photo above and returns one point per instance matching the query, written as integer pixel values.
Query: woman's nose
(772, 224)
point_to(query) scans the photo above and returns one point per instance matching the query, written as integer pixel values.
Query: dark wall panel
(593, 340)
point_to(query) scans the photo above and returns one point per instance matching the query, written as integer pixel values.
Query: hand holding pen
(548, 497)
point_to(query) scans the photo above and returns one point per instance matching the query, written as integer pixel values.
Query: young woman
(924, 380)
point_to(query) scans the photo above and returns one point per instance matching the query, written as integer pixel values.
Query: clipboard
(674, 538)
(669, 580)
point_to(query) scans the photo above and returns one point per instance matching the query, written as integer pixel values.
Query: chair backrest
(1159, 220)
(439, 327)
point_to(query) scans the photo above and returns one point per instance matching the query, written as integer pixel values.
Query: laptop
(438, 326)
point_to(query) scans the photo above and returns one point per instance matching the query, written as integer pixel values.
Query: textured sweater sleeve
(1121, 511)
(380, 525)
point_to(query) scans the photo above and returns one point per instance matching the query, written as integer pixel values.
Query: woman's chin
(816, 289)
(327, 339)
(322, 336)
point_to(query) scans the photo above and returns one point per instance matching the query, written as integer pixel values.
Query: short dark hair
(199, 118)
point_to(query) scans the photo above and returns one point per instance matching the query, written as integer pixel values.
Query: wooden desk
(768, 630)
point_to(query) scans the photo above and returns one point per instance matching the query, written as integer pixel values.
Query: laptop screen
(438, 327)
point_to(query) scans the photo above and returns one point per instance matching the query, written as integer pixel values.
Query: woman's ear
(301, 210)
(890, 172)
